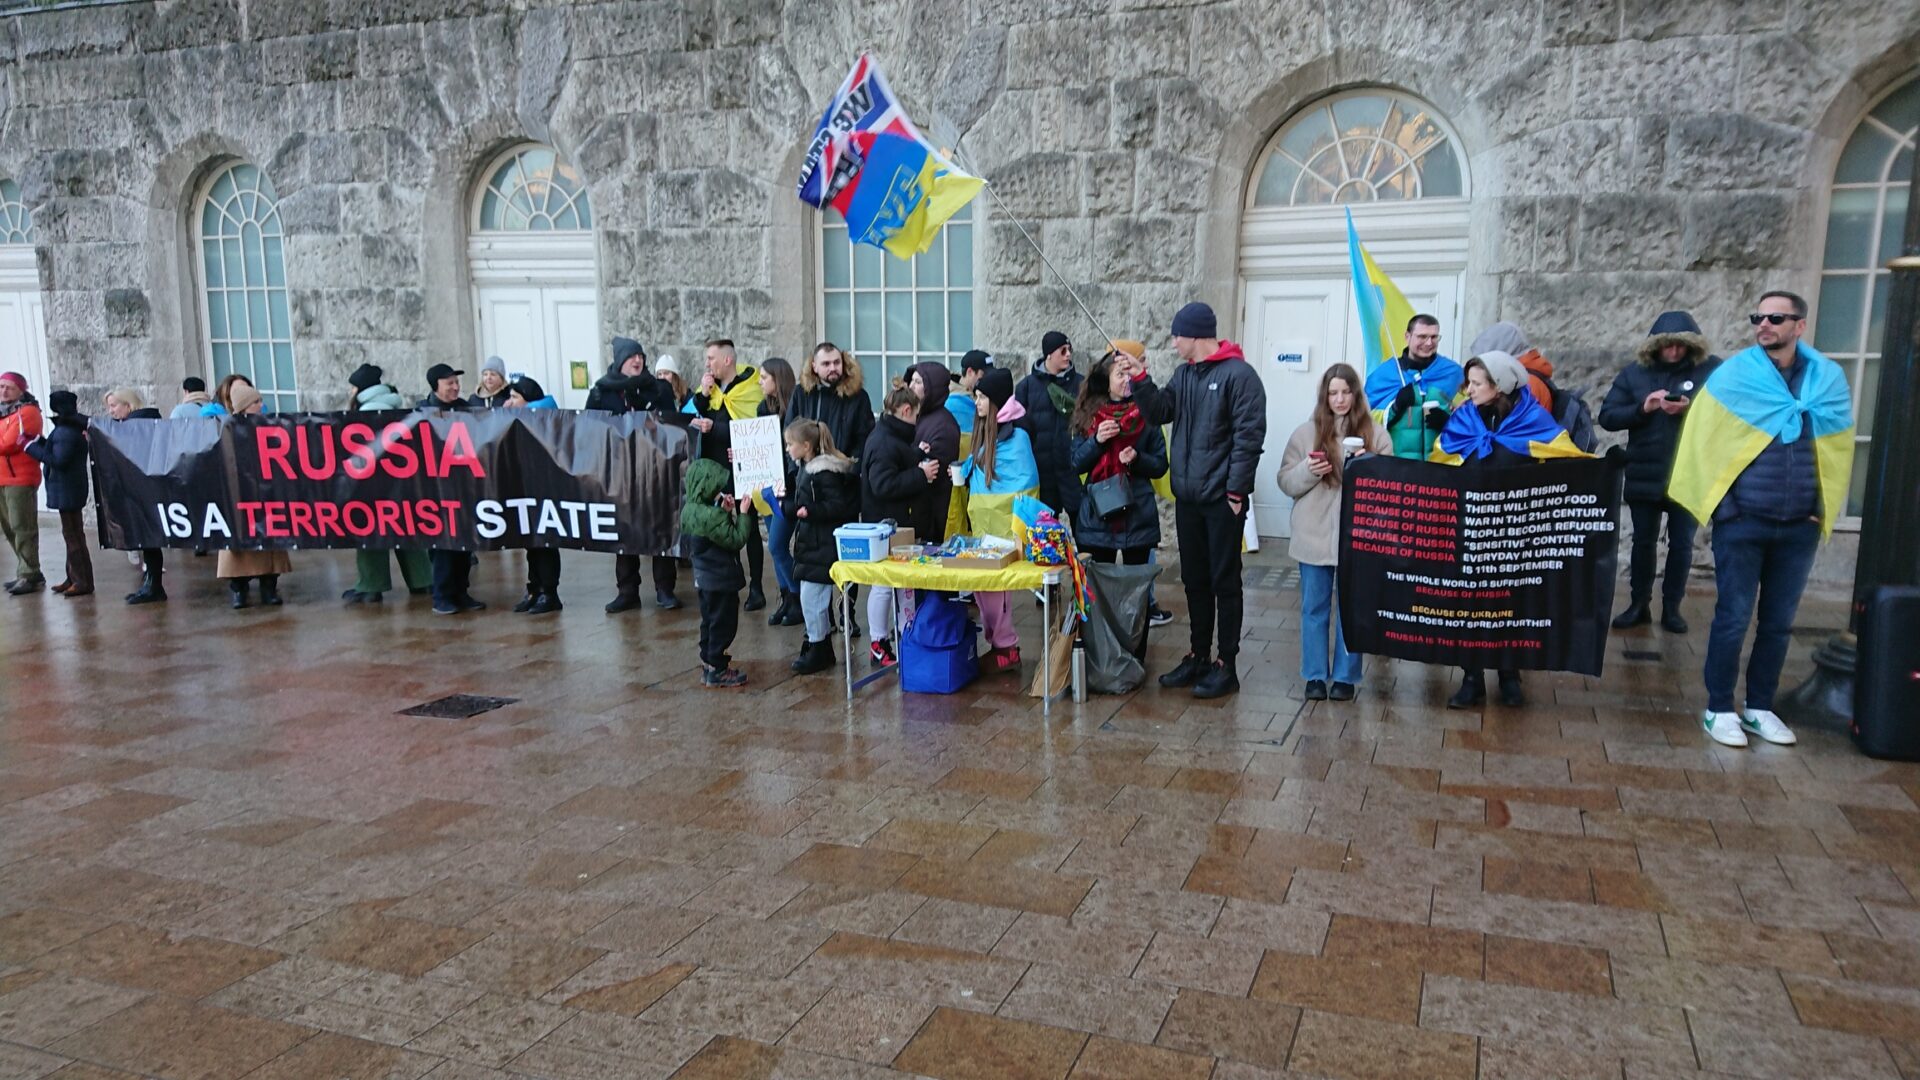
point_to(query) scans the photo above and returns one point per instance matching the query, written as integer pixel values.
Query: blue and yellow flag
(1745, 405)
(1384, 310)
(1529, 430)
(901, 194)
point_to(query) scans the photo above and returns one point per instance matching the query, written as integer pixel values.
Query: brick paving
(224, 854)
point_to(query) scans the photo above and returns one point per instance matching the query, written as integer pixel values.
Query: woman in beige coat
(1310, 473)
(239, 567)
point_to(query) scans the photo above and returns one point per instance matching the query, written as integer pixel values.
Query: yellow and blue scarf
(1529, 430)
(1745, 405)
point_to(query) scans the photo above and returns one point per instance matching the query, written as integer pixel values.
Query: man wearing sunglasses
(1764, 455)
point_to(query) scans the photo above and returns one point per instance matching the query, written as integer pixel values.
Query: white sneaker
(1768, 726)
(1723, 728)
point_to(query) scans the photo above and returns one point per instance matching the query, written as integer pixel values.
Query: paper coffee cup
(1352, 444)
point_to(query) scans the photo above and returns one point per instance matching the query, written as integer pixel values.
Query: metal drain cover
(1642, 654)
(458, 706)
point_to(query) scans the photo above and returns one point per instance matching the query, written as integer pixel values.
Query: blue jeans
(1763, 561)
(1318, 618)
(780, 542)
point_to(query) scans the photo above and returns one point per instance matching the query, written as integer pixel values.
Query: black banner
(480, 480)
(1480, 568)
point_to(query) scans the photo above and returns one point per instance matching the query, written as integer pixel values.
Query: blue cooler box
(939, 650)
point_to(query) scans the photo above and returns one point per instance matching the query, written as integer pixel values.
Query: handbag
(1111, 497)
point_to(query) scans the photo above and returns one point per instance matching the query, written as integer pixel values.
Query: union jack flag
(863, 103)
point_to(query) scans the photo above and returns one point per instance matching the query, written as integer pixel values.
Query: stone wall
(1626, 155)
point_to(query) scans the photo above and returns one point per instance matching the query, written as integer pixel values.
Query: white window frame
(832, 230)
(276, 398)
(16, 217)
(1449, 139)
(1855, 360)
(477, 226)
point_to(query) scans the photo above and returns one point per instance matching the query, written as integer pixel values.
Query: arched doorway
(1391, 160)
(23, 322)
(530, 257)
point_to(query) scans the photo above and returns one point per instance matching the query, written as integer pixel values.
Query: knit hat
(63, 403)
(364, 377)
(527, 388)
(976, 360)
(15, 378)
(1506, 372)
(1135, 349)
(194, 384)
(494, 364)
(244, 397)
(665, 364)
(997, 384)
(625, 348)
(1051, 342)
(441, 371)
(1195, 321)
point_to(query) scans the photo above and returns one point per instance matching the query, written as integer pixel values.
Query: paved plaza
(225, 852)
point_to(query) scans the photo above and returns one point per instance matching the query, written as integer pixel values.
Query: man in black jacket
(831, 391)
(629, 387)
(1049, 394)
(1649, 401)
(1218, 408)
(452, 569)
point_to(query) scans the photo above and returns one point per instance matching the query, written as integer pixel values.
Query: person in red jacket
(20, 424)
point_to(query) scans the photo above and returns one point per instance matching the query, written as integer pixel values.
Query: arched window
(1864, 219)
(892, 313)
(1372, 145)
(243, 278)
(532, 190)
(16, 221)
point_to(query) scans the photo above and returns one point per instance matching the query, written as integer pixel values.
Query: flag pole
(1031, 242)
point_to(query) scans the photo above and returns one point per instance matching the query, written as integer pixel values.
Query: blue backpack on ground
(939, 649)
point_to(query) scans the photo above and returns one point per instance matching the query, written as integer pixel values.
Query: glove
(1405, 399)
(1436, 420)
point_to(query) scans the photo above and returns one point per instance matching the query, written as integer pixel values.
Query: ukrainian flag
(1744, 407)
(1529, 430)
(902, 194)
(1384, 311)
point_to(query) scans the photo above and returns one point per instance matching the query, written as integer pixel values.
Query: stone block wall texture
(1626, 155)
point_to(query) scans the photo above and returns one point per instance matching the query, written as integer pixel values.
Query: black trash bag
(1116, 628)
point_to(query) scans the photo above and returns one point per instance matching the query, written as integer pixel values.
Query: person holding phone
(1311, 469)
(1649, 401)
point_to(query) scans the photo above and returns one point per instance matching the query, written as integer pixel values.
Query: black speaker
(1886, 688)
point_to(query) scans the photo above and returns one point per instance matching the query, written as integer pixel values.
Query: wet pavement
(225, 852)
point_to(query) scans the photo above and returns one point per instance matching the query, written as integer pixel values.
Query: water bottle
(1079, 669)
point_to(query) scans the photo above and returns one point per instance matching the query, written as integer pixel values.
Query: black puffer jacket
(1652, 437)
(848, 416)
(1140, 525)
(1218, 409)
(828, 489)
(456, 405)
(937, 434)
(890, 478)
(1049, 401)
(621, 393)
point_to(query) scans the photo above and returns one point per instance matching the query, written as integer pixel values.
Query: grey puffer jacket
(1218, 409)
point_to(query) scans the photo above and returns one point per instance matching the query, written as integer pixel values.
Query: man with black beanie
(628, 386)
(452, 569)
(1218, 408)
(1049, 394)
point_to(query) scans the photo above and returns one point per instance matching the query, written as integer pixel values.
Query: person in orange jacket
(20, 424)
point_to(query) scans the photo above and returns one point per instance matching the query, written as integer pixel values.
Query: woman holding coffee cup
(1310, 473)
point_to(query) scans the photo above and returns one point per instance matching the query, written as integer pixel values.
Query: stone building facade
(1613, 158)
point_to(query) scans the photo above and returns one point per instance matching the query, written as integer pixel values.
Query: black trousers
(1646, 550)
(79, 560)
(626, 574)
(1133, 556)
(719, 623)
(543, 570)
(1209, 536)
(452, 574)
(153, 561)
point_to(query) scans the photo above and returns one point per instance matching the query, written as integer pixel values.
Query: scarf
(15, 405)
(741, 397)
(1441, 375)
(1132, 425)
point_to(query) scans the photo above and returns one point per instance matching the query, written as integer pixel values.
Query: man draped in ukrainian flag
(729, 392)
(1410, 388)
(1765, 454)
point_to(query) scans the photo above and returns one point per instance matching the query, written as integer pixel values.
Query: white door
(23, 341)
(1296, 328)
(572, 318)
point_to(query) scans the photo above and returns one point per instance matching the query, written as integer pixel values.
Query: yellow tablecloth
(900, 575)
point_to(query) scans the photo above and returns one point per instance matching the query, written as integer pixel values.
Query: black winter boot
(1636, 614)
(149, 592)
(270, 590)
(1511, 695)
(238, 588)
(816, 657)
(779, 616)
(1472, 692)
(1187, 672)
(1222, 680)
